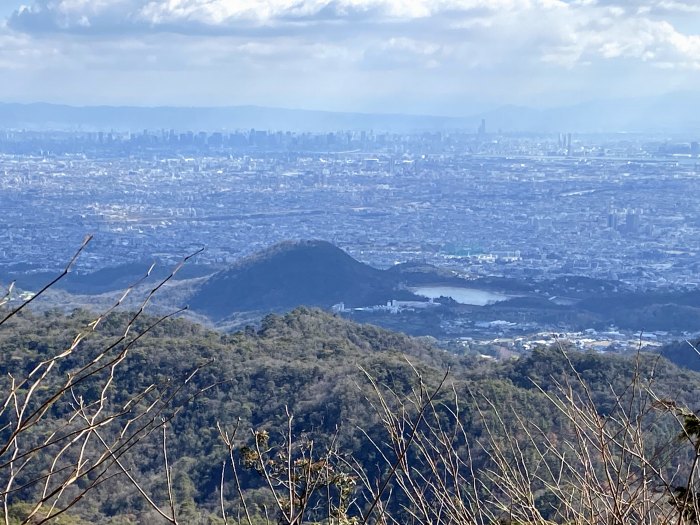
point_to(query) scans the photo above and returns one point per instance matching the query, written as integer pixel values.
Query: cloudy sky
(449, 57)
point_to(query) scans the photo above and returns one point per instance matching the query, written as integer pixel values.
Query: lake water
(461, 295)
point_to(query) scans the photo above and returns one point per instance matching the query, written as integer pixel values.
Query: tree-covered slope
(289, 274)
(310, 364)
(683, 353)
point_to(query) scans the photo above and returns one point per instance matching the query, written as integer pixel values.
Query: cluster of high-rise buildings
(522, 211)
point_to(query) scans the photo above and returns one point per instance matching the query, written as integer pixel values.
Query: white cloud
(16, 51)
(416, 47)
(217, 15)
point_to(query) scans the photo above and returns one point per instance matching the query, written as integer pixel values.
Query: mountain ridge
(664, 113)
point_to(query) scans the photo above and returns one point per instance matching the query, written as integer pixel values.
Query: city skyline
(453, 58)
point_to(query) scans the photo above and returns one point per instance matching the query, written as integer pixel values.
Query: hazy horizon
(451, 58)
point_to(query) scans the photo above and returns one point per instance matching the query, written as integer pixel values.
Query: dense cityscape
(618, 207)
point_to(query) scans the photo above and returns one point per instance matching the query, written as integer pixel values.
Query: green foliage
(308, 362)
(19, 511)
(304, 479)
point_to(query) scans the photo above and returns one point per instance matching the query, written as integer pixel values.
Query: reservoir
(461, 295)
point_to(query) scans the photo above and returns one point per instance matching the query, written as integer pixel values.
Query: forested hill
(293, 273)
(298, 358)
(683, 353)
(308, 363)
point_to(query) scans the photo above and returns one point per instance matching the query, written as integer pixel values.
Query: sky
(445, 57)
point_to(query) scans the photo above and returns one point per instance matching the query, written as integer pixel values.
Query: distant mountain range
(672, 113)
(42, 116)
